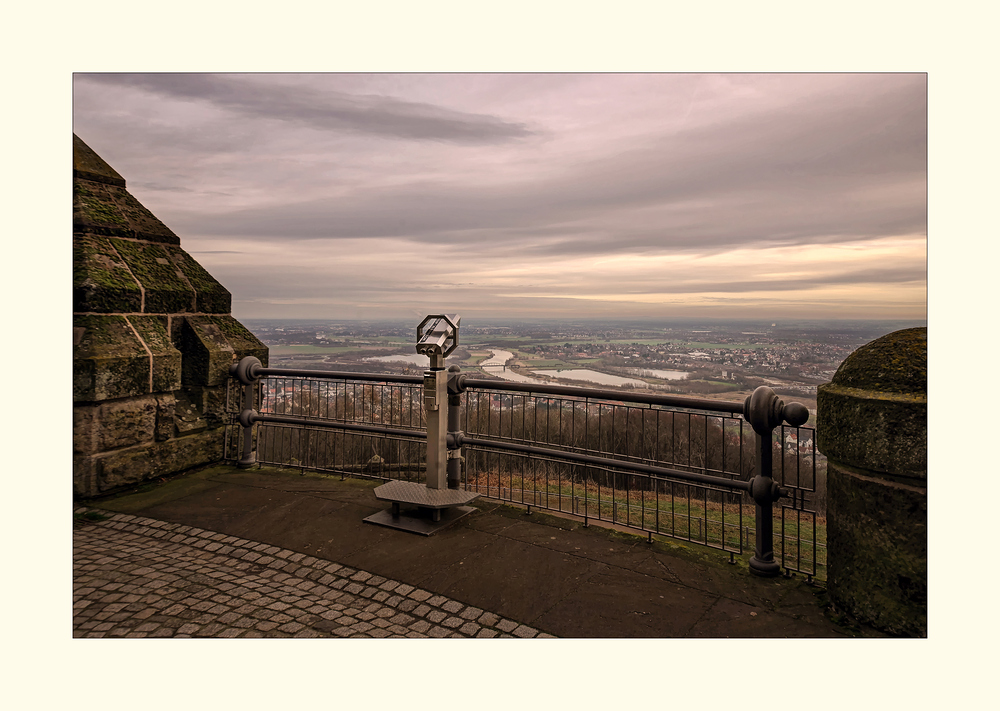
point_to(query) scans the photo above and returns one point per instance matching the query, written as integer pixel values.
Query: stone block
(879, 431)
(109, 361)
(142, 223)
(87, 165)
(166, 359)
(240, 339)
(188, 414)
(212, 297)
(166, 289)
(101, 281)
(123, 423)
(156, 459)
(207, 354)
(210, 345)
(211, 403)
(85, 476)
(877, 538)
(164, 417)
(95, 210)
(84, 435)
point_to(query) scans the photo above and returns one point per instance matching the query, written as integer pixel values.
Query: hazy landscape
(707, 358)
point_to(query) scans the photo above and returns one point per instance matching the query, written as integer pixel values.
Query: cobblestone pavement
(138, 577)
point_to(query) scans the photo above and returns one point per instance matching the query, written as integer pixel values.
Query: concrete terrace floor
(225, 552)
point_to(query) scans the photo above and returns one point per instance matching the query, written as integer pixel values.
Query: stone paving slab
(139, 577)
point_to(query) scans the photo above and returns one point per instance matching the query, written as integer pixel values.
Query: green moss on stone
(239, 337)
(111, 210)
(213, 297)
(90, 166)
(872, 425)
(877, 537)
(242, 341)
(887, 436)
(873, 415)
(143, 223)
(108, 360)
(896, 363)
(93, 206)
(157, 459)
(101, 282)
(207, 353)
(153, 331)
(167, 292)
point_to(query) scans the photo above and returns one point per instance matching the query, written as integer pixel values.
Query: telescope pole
(436, 410)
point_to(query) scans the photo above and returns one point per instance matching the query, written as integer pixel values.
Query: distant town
(715, 359)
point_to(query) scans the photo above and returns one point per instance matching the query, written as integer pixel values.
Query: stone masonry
(153, 340)
(872, 426)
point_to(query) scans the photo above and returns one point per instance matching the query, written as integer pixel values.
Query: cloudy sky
(532, 195)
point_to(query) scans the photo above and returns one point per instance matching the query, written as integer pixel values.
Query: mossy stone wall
(153, 340)
(872, 426)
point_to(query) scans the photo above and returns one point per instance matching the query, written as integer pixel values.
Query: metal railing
(705, 471)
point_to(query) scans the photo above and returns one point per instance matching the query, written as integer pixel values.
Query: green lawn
(732, 386)
(710, 523)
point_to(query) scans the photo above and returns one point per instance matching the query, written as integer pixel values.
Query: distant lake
(592, 376)
(416, 359)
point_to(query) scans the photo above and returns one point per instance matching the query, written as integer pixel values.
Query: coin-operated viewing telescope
(439, 500)
(437, 336)
(438, 339)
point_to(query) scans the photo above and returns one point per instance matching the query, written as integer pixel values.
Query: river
(494, 365)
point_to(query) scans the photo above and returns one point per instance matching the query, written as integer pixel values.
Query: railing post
(456, 386)
(246, 371)
(764, 410)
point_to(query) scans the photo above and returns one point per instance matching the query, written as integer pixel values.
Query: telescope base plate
(436, 509)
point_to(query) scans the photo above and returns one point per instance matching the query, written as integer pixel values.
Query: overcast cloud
(365, 196)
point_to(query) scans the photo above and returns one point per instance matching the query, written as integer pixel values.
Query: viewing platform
(225, 552)
(648, 492)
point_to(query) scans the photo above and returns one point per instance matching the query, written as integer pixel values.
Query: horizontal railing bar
(341, 375)
(563, 455)
(289, 420)
(559, 447)
(690, 403)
